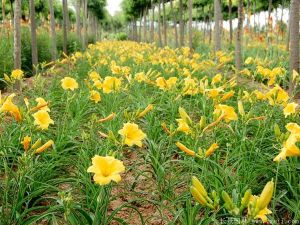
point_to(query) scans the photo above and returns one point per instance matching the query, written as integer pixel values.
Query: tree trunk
(65, 32)
(53, 32)
(165, 23)
(140, 27)
(175, 23)
(17, 34)
(191, 25)
(84, 36)
(135, 30)
(281, 18)
(78, 22)
(270, 23)
(254, 18)
(217, 15)
(210, 28)
(181, 25)
(12, 13)
(34, 53)
(230, 22)
(239, 37)
(152, 22)
(145, 25)
(294, 45)
(204, 31)
(159, 25)
(3, 11)
(289, 30)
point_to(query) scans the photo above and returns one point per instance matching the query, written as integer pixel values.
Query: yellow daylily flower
(183, 126)
(106, 169)
(26, 142)
(42, 119)
(10, 107)
(111, 84)
(132, 135)
(17, 74)
(69, 83)
(216, 79)
(289, 109)
(94, 76)
(95, 96)
(227, 112)
(42, 104)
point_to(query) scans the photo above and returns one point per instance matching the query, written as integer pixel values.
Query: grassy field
(128, 133)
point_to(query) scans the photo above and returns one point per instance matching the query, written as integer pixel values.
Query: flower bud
(202, 122)
(145, 111)
(228, 201)
(246, 198)
(198, 185)
(184, 115)
(277, 130)
(211, 149)
(241, 108)
(199, 198)
(185, 149)
(44, 147)
(265, 196)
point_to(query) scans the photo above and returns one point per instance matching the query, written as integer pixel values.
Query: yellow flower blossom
(164, 84)
(289, 146)
(259, 95)
(190, 86)
(42, 119)
(95, 96)
(106, 169)
(26, 143)
(213, 93)
(69, 83)
(290, 109)
(111, 84)
(94, 76)
(42, 104)
(183, 126)
(227, 112)
(132, 135)
(10, 107)
(17, 74)
(98, 84)
(216, 79)
(140, 77)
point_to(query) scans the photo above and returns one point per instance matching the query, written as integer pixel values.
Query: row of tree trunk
(293, 32)
(87, 21)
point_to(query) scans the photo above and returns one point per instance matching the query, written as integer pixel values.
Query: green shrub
(6, 57)
(43, 46)
(122, 36)
(73, 44)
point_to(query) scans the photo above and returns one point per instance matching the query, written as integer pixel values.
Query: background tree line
(179, 15)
